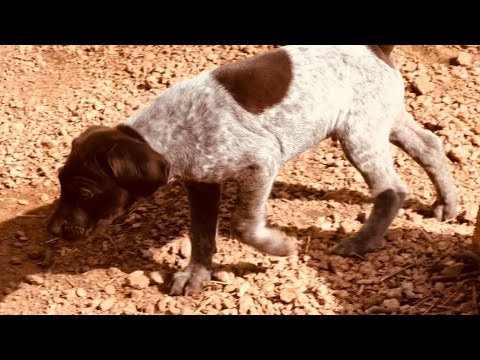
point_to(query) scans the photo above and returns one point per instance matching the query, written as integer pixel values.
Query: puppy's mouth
(74, 233)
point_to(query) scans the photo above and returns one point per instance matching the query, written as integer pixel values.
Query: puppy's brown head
(106, 171)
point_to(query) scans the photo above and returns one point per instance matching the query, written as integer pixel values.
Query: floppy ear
(136, 167)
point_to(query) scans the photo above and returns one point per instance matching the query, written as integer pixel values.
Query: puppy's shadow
(283, 190)
(154, 223)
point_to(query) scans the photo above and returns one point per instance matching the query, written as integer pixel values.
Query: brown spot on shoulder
(257, 83)
(383, 52)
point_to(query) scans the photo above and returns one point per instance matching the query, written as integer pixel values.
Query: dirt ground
(49, 94)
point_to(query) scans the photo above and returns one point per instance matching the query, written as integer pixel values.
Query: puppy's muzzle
(66, 231)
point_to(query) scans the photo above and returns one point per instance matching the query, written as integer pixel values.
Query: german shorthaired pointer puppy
(242, 121)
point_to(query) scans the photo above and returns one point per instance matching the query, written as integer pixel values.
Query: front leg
(248, 221)
(204, 207)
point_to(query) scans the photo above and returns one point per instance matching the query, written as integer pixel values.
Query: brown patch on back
(257, 83)
(383, 52)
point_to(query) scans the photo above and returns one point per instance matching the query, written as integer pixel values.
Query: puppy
(242, 121)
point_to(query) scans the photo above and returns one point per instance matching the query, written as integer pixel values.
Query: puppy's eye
(86, 194)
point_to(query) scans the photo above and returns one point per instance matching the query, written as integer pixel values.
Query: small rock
(228, 303)
(35, 279)
(410, 66)
(245, 304)
(150, 56)
(453, 271)
(107, 304)
(22, 238)
(443, 245)
(114, 272)
(22, 202)
(423, 86)
(81, 293)
(288, 295)
(20, 234)
(447, 100)
(130, 308)
(15, 260)
(463, 59)
(17, 127)
(439, 287)
(459, 154)
(44, 197)
(70, 294)
(186, 248)
(138, 280)
(98, 106)
(49, 144)
(395, 293)
(94, 303)
(120, 106)
(391, 305)
(407, 288)
(150, 309)
(90, 115)
(136, 294)
(374, 310)
(110, 289)
(157, 278)
(225, 276)
(346, 227)
(243, 289)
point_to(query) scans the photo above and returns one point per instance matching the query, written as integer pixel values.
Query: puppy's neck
(129, 131)
(151, 158)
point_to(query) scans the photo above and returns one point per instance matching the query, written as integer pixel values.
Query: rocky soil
(51, 93)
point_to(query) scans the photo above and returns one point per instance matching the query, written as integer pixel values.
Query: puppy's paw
(355, 246)
(443, 211)
(271, 242)
(189, 281)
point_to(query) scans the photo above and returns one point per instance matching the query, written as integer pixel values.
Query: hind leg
(374, 161)
(427, 150)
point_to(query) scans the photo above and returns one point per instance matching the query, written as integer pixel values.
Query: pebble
(110, 289)
(463, 59)
(107, 304)
(138, 280)
(15, 260)
(391, 305)
(225, 276)
(288, 295)
(243, 289)
(70, 294)
(130, 308)
(443, 245)
(35, 279)
(81, 292)
(423, 86)
(22, 202)
(157, 277)
(136, 294)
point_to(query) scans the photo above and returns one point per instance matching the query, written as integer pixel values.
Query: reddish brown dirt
(51, 93)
